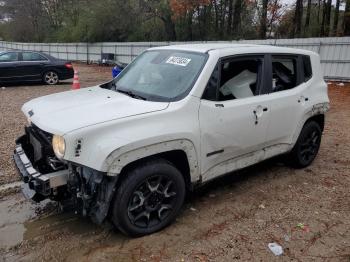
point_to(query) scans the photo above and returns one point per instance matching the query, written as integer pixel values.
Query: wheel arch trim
(49, 69)
(316, 110)
(117, 160)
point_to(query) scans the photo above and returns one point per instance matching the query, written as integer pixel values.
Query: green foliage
(152, 20)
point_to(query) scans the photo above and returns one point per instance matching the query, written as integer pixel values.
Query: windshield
(161, 75)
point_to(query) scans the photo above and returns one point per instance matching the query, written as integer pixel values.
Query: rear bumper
(66, 74)
(36, 186)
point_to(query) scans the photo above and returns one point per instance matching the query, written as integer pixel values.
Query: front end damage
(91, 191)
(86, 190)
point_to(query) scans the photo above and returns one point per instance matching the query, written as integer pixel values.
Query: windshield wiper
(131, 94)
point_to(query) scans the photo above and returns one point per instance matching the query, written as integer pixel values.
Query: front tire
(51, 78)
(149, 198)
(307, 145)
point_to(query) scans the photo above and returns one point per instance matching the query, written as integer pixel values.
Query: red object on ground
(76, 83)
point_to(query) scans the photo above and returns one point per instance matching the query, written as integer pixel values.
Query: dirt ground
(233, 218)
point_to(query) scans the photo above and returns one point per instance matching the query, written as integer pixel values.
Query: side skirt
(244, 161)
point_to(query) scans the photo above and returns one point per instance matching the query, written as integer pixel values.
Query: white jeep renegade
(176, 117)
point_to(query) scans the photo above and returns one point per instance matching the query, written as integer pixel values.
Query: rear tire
(51, 78)
(149, 198)
(307, 146)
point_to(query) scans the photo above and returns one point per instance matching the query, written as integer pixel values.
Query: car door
(288, 100)
(31, 65)
(8, 64)
(233, 113)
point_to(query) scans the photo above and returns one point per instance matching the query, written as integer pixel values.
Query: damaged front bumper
(88, 191)
(37, 186)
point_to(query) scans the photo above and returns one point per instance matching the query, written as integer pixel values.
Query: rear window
(307, 68)
(284, 72)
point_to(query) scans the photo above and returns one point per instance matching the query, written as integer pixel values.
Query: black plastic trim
(215, 153)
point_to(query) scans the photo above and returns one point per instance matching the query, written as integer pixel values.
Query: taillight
(68, 65)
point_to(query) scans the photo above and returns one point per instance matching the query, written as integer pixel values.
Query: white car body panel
(131, 133)
(289, 107)
(115, 130)
(231, 128)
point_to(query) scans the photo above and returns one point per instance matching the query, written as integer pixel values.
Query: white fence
(334, 52)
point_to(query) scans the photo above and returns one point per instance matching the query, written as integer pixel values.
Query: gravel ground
(234, 218)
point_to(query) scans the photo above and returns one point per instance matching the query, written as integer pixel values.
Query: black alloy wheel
(310, 146)
(307, 146)
(149, 198)
(152, 202)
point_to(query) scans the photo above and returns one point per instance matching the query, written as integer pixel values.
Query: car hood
(64, 112)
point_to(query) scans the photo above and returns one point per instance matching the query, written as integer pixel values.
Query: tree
(275, 12)
(298, 16)
(346, 21)
(237, 19)
(168, 20)
(187, 9)
(230, 16)
(336, 18)
(328, 17)
(263, 20)
(307, 19)
(161, 10)
(323, 23)
(27, 19)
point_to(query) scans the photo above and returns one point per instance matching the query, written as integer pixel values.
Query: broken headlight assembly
(59, 146)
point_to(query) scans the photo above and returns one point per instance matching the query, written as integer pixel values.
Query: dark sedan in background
(23, 66)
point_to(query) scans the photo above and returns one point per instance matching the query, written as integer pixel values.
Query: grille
(43, 157)
(47, 137)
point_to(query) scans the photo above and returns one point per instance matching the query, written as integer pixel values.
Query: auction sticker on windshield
(181, 61)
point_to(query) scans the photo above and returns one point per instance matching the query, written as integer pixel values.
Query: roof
(238, 48)
(202, 48)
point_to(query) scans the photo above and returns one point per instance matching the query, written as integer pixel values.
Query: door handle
(258, 112)
(256, 117)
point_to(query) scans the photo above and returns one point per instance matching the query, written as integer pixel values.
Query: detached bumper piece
(37, 186)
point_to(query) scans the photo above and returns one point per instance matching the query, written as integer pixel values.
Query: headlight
(59, 146)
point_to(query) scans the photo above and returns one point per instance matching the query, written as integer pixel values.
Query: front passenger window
(239, 78)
